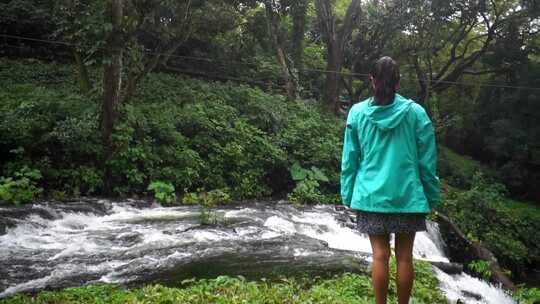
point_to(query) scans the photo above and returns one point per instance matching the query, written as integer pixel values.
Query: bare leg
(405, 270)
(379, 274)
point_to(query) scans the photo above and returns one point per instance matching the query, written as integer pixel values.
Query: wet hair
(385, 73)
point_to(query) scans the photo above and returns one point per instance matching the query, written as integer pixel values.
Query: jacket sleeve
(427, 158)
(349, 160)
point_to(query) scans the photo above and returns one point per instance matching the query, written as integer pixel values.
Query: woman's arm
(427, 157)
(350, 159)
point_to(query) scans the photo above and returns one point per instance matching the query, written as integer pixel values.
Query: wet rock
(471, 294)
(54, 210)
(84, 206)
(450, 268)
(6, 223)
(458, 250)
(21, 212)
(289, 255)
(129, 239)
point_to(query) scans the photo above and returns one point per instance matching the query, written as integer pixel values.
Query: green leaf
(318, 174)
(297, 172)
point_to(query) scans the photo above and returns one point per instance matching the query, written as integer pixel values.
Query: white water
(428, 246)
(107, 248)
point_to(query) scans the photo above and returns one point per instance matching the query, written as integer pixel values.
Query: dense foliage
(344, 288)
(527, 295)
(194, 135)
(507, 227)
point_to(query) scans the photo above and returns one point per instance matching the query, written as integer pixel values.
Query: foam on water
(463, 286)
(279, 224)
(325, 227)
(244, 212)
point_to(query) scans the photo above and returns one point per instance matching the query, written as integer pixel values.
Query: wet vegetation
(345, 288)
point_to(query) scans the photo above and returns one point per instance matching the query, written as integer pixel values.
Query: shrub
(313, 139)
(21, 188)
(207, 201)
(481, 267)
(458, 170)
(149, 147)
(506, 227)
(527, 295)
(52, 130)
(235, 154)
(163, 192)
(307, 184)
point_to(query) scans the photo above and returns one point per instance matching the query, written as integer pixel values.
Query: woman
(388, 174)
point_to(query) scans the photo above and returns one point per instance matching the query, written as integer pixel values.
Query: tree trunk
(82, 73)
(335, 40)
(134, 77)
(423, 86)
(277, 43)
(290, 86)
(333, 68)
(112, 83)
(299, 9)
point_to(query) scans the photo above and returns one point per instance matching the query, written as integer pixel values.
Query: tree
(82, 24)
(374, 36)
(298, 14)
(112, 82)
(26, 18)
(135, 36)
(290, 64)
(507, 118)
(335, 37)
(155, 30)
(273, 14)
(446, 39)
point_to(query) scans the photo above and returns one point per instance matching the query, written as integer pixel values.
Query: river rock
(450, 268)
(290, 255)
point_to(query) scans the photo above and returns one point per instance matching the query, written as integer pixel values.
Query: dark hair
(385, 73)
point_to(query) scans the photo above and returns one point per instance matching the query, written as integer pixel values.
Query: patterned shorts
(386, 223)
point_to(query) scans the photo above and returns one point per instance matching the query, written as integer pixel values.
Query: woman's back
(389, 158)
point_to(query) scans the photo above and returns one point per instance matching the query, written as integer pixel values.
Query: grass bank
(344, 288)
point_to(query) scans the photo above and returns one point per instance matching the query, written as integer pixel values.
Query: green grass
(463, 162)
(458, 169)
(344, 288)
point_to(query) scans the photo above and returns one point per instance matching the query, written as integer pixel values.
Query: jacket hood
(389, 116)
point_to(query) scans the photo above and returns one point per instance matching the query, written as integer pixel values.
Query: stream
(56, 245)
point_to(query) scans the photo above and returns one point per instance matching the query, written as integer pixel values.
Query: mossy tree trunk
(112, 85)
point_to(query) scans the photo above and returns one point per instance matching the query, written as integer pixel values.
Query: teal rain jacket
(389, 158)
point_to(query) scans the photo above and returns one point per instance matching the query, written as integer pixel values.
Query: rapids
(56, 245)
